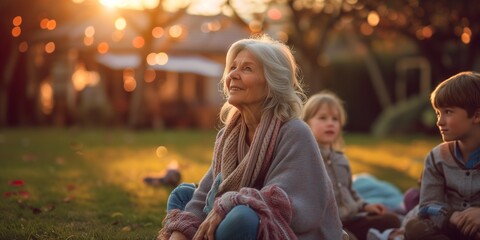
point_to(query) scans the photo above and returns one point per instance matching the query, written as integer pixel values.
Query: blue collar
(473, 158)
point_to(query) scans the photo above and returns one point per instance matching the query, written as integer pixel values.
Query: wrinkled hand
(208, 227)
(467, 221)
(375, 208)
(178, 236)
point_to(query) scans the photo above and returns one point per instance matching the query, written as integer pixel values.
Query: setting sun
(132, 4)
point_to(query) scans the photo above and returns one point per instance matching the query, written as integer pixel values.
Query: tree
(156, 17)
(17, 40)
(24, 31)
(444, 31)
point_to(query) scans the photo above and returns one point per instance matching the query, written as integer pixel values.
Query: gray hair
(286, 95)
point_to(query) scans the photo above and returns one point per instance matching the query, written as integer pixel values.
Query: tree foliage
(446, 32)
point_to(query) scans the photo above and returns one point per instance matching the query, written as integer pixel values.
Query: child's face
(454, 123)
(325, 125)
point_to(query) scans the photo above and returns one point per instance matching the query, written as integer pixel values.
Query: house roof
(183, 64)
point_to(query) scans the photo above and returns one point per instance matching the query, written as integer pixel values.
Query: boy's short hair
(461, 90)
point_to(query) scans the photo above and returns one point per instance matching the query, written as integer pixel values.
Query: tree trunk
(373, 68)
(5, 83)
(136, 110)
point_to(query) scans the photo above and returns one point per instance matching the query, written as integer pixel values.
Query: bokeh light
(151, 59)
(211, 27)
(161, 151)
(44, 23)
(131, 4)
(50, 47)
(23, 47)
(129, 82)
(373, 18)
(88, 41)
(51, 24)
(120, 23)
(103, 47)
(176, 31)
(79, 78)
(366, 29)
(427, 32)
(82, 78)
(274, 14)
(161, 58)
(150, 75)
(89, 31)
(157, 58)
(46, 98)
(466, 38)
(16, 31)
(255, 26)
(117, 35)
(17, 21)
(138, 42)
(157, 32)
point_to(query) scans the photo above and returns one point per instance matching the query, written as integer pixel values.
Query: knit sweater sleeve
(179, 221)
(271, 204)
(298, 169)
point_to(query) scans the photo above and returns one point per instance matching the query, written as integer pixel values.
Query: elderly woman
(267, 179)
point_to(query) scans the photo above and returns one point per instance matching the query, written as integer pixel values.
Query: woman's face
(246, 84)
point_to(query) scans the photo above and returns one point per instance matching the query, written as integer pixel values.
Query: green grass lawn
(87, 184)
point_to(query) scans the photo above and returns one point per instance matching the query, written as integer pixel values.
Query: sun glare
(131, 4)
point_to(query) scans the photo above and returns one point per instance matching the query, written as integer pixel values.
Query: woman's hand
(208, 227)
(375, 208)
(178, 236)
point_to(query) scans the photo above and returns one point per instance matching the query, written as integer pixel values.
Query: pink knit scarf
(249, 171)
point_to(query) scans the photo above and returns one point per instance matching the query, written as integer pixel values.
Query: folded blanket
(372, 190)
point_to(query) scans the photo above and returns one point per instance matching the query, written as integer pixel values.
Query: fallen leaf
(24, 194)
(48, 208)
(17, 183)
(36, 210)
(29, 157)
(148, 224)
(116, 214)
(60, 160)
(68, 199)
(71, 187)
(8, 194)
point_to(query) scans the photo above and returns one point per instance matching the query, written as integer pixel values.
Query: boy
(450, 187)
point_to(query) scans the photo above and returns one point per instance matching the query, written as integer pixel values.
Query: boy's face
(454, 123)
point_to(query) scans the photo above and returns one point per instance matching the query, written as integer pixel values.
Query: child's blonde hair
(316, 101)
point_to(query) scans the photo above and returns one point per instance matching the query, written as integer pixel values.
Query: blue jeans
(240, 223)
